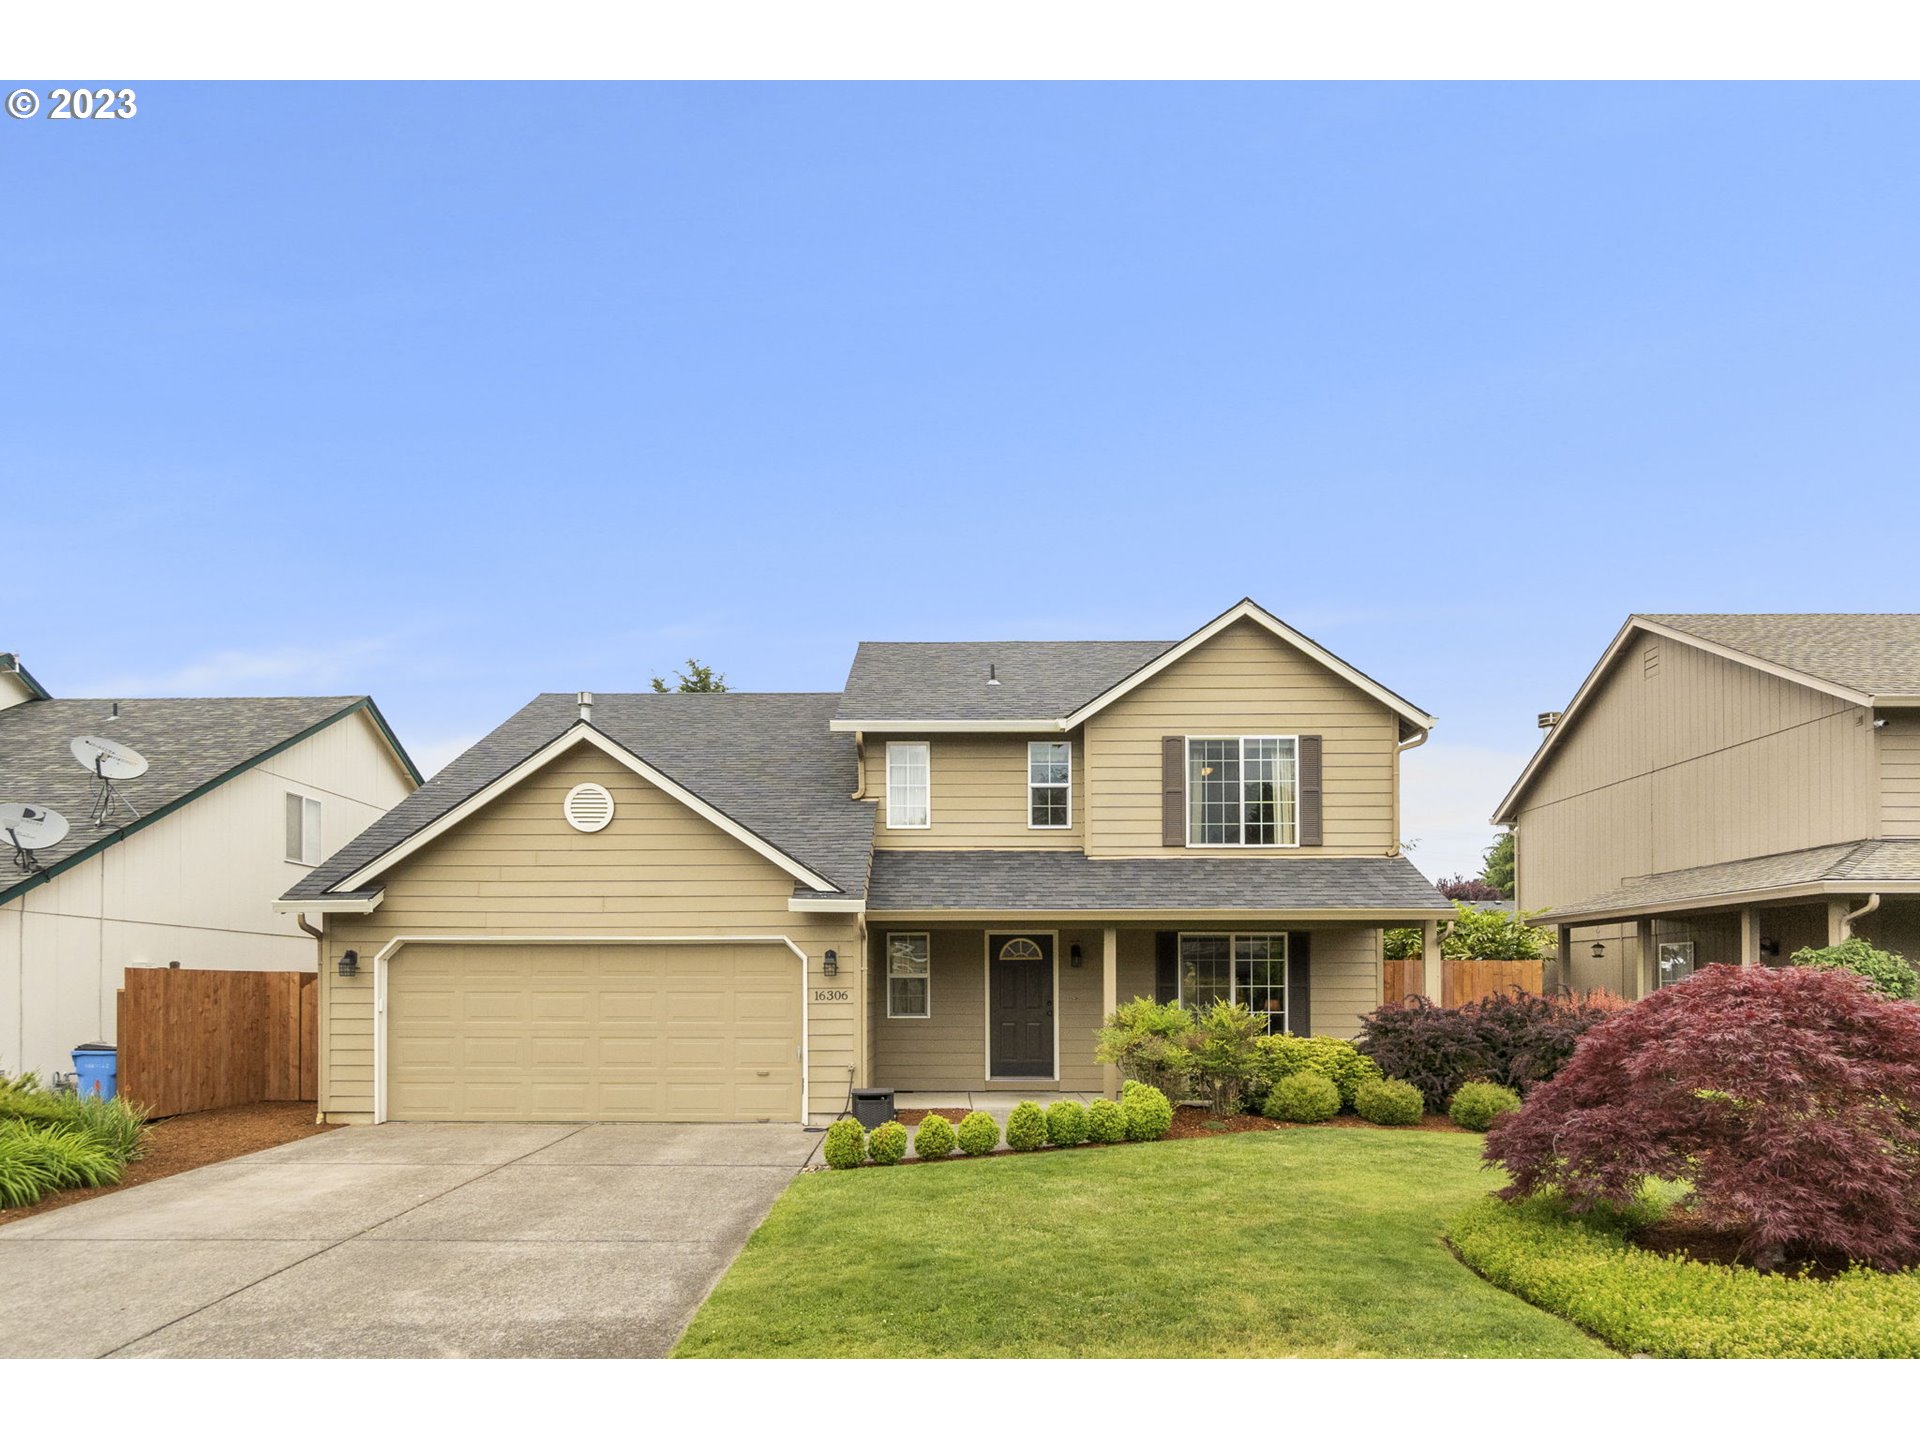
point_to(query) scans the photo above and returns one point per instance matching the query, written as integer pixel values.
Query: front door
(1020, 1006)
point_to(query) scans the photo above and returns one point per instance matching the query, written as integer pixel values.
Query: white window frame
(311, 812)
(1233, 972)
(1276, 844)
(886, 950)
(1066, 824)
(904, 746)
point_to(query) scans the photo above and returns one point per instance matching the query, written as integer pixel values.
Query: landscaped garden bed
(186, 1142)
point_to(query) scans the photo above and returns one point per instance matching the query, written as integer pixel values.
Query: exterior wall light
(1073, 956)
(830, 964)
(349, 964)
(1599, 950)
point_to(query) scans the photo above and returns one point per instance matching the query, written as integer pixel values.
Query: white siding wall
(196, 887)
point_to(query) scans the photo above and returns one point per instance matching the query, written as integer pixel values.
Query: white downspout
(1846, 921)
(1418, 740)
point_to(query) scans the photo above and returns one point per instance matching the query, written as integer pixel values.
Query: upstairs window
(1243, 790)
(1049, 785)
(303, 829)
(909, 785)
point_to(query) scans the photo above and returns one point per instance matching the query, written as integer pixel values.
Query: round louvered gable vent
(588, 807)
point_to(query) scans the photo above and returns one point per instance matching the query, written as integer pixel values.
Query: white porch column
(1749, 936)
(1837, 921)
(1432, 976)
(1109, 1001)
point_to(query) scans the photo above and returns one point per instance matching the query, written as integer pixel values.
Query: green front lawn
(1294, 1242)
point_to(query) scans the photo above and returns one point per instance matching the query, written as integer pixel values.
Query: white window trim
(1066, 824)
(1187, 758)
(1233, 972)
(886, 975)
(320, 844)
(909, 744)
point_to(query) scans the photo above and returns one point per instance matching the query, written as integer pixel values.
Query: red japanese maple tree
(1790, 1099)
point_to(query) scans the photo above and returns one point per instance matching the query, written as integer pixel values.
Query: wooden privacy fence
(1463, 980)
(200, 1039)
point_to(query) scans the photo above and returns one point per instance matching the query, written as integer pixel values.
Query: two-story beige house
(740, 906)
(1727, 789)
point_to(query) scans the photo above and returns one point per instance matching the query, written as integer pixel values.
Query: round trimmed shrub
(933, 1138)
(978, 1133)
(1146, 1110)
(1389, 1102)
(1477, 1104)
(1338, 1060)
(1105, 1123)
(887, 1144)
(1066, 1122)
(846, 1144)
(1306, 1098)
(1027, 1126)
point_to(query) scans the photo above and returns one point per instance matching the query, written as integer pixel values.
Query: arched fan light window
(588, 807)
(1021, 949)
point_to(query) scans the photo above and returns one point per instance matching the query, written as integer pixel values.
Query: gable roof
(191, 745)
(11, 667)
(767, 763)
(1044, 685)
(1862, 659)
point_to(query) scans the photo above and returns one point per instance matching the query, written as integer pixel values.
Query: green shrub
(1661, 1305)
(1403, 943)
(846, 1144)
(1494, 935)
(1888, 973)
(1389, 1102)
(1477, 1104)
(1306, 1098)
(887, 1144)
(37, 1160)
(1027, 1126)
(1066, 1122)
(979, 1133)
(1149, 1042)
(933, 1138)
(1225, 1058)
(1282, 1055)
(119, 1127)
(1106, 1124)
(1146, 1111)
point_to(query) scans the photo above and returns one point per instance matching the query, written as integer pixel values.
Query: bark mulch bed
(186, 1142)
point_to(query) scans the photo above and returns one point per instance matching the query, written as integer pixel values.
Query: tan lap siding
(1345, 983)
(1246, 681)
(517, 868)
(979, 796)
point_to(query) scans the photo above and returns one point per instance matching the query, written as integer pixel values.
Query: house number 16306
(827, 997)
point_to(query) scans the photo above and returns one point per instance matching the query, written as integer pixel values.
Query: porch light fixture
(1599, 950)
(1073, 956)
(830, 964)
(349, 964)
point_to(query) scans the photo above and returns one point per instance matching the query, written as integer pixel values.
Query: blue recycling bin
(99, 1070)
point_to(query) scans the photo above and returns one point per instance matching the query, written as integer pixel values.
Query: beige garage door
(593, 1032)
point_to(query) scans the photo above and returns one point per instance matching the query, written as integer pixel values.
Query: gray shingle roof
(1854, 862)
(1874, 654)
(188, 743)
(768, 761)
(947, 680)
(1067, 880)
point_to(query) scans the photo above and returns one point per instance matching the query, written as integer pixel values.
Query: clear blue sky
(455, 394)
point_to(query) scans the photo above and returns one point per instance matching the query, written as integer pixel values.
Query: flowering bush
(1788, 1098)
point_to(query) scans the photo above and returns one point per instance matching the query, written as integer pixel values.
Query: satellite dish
(108, 759)
(29, 828)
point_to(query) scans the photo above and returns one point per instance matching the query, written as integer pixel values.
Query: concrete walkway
(404, 1240)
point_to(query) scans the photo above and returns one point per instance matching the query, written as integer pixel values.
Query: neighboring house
(1727, 789)
(737, 906)
(240, 796)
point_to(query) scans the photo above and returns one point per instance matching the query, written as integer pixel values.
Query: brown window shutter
(1173, 790)
(1299, 982)
(1311, 829)
(1166, 966)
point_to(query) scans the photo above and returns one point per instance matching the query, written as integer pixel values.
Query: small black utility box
(872, 1107)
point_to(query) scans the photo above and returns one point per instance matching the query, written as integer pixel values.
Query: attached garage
(553, 1031)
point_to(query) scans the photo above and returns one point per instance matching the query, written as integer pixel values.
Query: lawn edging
(1650, 1304)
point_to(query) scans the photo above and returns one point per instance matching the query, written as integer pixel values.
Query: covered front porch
(982, 1014)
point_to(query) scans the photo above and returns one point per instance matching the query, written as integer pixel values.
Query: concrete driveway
(404, 1240)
